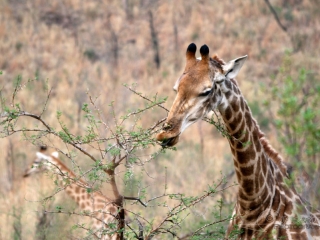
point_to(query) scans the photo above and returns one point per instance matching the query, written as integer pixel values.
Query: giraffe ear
(232, 68)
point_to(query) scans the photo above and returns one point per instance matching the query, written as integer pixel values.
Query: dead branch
(273, 11)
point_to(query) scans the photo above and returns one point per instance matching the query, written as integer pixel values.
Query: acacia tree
(109, 145)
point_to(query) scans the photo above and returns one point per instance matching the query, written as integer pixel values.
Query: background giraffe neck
(76, 190)
(252, 165)
(101, 208)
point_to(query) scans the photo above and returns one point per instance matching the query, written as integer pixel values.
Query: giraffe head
(41, 163)
(199, 90)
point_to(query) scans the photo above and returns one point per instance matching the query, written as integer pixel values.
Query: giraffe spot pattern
(235, 106)
(247, 170)
(228, 113)
(248, 186)
(261, 187)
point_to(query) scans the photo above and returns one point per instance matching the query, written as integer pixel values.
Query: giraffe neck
(101, 209)
(264, 200)
(252, 166)
(77, 190)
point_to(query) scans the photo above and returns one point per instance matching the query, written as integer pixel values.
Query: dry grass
(97, 46)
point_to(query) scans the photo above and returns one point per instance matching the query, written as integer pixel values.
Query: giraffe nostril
(166, 127)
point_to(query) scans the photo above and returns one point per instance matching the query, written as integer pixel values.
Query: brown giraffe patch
(256, 180)
(264, 166)
(248, 186)
(113, 210)
(276, 200)
(261, 179)
(235, 87)
(228, 114)
(100, 206)
(279, 177)
(233, 153)
(241, 104)
(247, 116)
(255, 205)
(244, 142)
(245, 156)
(243, 196)
(257, 143)
(235, 123)
(228, 85)
(288, 207)
(235, 106)
(228, 95)
(241, 135)
(247, 171)
(288, 193)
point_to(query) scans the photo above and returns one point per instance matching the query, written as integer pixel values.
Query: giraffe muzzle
(167, 139)
(169, 136)
(169, 142)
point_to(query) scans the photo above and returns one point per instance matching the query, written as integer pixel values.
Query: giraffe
(266, 207)
(99, 207)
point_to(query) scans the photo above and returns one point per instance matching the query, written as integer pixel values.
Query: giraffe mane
(272, 153)
(218, 62)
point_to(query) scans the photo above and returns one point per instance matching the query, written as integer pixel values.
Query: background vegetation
(81, 49)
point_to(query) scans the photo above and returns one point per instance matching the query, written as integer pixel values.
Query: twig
(26, 114)
(209, 224)
(145, 98)
(45, 104)
(135, 199)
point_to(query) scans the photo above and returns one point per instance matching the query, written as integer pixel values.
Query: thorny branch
(183, 206)
(91, 215)
(145, 98)
(123, 141)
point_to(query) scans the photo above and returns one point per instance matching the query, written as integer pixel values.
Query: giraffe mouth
(169, 136)
(169, 142)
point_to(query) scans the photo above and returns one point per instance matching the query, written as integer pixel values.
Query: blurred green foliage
(294, 95)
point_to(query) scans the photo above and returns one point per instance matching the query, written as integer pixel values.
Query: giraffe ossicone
(266, 207)
(100, 208)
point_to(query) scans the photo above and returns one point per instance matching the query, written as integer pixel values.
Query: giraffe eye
(205, 93)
